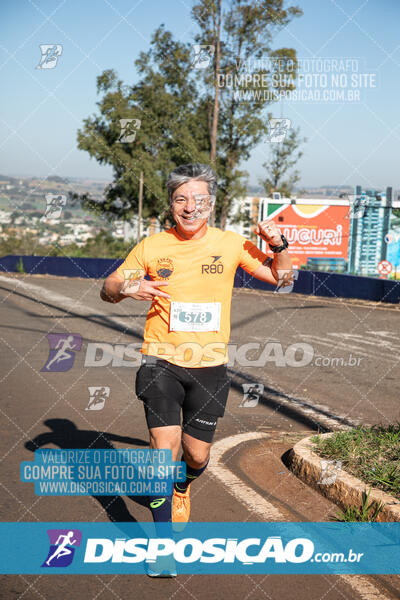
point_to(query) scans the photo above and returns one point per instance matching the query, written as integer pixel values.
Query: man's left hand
(269, 232)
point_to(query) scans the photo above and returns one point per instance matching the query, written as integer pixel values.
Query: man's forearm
(281, 263)
(111, 291)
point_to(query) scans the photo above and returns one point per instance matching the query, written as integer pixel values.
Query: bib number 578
(195, 317)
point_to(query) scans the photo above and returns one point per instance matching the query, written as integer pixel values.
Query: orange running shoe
(180, 509)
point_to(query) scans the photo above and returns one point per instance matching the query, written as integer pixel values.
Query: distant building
(369, 228)
(129, 232)
(5, 217)
(246, 207)
(66, 239)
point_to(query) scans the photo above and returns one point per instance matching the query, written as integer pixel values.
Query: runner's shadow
(66, 435)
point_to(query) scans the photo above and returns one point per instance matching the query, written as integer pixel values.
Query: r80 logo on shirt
(215, 266)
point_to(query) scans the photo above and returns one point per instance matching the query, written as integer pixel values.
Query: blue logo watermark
(203, 548)
(62, 547)
(62, 351)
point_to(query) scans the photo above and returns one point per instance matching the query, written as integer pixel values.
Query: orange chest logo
(164, 268)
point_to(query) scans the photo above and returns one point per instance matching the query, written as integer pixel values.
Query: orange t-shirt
(198, 271)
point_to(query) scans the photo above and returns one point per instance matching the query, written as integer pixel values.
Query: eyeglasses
(200, 199)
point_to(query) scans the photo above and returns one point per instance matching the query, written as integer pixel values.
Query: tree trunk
(214, 126)
(139, 223)
(224, 212)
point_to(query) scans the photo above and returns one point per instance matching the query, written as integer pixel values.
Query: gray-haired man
(183, 373)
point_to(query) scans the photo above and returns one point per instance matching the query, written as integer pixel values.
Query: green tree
(20, 266)
(241, 33)
(284, 155)
(163, 105)
(10, 243)
(184, 114)
(103, 245)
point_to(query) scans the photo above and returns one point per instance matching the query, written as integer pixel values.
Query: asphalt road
(349, 353)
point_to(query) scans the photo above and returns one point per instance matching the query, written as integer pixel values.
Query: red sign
(385, 267)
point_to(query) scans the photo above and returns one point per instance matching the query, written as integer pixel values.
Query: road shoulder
(344, 490)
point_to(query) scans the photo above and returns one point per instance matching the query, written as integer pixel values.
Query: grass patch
(366, 513)
(20, 266)
(370, 453)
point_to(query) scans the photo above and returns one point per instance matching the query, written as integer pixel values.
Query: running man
(99, 397)
(62, 549)
(63, 345)
(185, 350)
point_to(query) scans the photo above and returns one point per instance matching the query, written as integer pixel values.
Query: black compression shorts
(167, 389)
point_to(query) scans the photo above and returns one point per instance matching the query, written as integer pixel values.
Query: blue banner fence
(315, 283)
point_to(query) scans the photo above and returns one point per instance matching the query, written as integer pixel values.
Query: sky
(348, 142)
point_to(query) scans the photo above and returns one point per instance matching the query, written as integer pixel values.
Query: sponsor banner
(313, 231)
(210, 548)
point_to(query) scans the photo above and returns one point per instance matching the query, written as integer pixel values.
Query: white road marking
(338, 302)
(384, 348)
(390, 334)
(260, 506)
(62, 301)
(312, 411)
(45, 293)
(242, 492)
(320, 414)
(368, 339)
(364, 587)
(315, 412)
(334, 345)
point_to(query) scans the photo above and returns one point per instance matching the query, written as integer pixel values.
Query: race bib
(195, 316)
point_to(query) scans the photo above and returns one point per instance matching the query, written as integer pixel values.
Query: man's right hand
(115, 289)
(147, 290)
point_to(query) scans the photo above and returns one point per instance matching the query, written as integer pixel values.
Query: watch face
(280, 247)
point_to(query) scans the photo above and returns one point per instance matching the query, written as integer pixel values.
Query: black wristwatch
(283, 246)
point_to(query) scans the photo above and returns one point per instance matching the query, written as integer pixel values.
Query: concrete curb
(335, 484)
